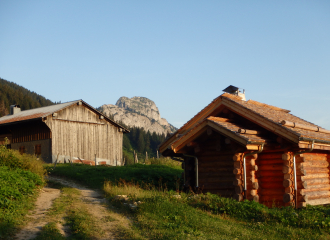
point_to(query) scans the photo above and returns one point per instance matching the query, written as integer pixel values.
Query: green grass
(20, 177)
(166, 218)
(50, 232)
(158, 175)
(208, 216)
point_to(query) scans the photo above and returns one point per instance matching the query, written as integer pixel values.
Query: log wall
(313, 179)
(215, 170)
(78, 132)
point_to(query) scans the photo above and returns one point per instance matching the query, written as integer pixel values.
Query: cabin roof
(266, 116)
(223, 125)
(37, 113)
(276, 115)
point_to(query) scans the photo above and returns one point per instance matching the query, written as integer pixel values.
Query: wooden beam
(321, 146)
(303, 126)
(247, 131)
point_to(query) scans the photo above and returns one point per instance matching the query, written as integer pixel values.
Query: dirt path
(93, 200)
(38, 217)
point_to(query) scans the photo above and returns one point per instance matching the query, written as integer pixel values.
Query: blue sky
(180, 54)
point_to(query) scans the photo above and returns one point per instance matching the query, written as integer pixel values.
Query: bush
(14, 160)
(20, 177)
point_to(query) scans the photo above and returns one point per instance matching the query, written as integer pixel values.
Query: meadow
(166, 212)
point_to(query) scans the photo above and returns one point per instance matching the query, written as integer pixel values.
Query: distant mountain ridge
(138, 112)
(12, 93)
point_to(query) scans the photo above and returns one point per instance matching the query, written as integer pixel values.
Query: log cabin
(67, 132)
(250, 150)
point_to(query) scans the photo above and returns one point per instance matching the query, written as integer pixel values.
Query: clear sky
(180, 54)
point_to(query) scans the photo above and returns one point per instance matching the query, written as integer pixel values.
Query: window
(37, 150)
(22, 149)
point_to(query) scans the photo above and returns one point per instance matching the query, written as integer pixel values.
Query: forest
(12, 93)
(141, 142)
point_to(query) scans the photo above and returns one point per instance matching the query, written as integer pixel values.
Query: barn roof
(39, 113)
(266, 116)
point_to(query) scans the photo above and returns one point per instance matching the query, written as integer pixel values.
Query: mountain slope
(11, 93)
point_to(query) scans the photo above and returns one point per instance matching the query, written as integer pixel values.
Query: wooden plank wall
(270, 178)
(30, 132)
(78, 132)
(215, 170)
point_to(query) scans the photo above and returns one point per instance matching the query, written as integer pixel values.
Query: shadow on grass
(6, 229)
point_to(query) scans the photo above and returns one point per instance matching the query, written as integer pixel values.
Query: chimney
(14, 109)
(235, 91)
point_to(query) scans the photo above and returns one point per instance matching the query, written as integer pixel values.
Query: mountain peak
(138, 112)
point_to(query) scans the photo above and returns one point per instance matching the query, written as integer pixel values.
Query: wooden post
(56, 160)
(146, 157)
(95, 160)
(134, 157)
(116, 162)
(157, 154)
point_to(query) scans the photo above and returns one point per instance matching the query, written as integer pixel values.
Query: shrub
(13, 159)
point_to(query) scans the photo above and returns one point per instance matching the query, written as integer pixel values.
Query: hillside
(138, 112)
(12, 93)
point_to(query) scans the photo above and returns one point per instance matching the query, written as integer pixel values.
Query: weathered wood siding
(77, 131)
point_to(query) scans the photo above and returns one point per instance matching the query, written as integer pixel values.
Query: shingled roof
(39, 113)
(35, 113)
(266, 116)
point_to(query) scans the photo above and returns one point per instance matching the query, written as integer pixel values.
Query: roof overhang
(179, 144)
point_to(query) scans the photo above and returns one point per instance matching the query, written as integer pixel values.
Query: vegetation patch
(50, 232)
(20, 177)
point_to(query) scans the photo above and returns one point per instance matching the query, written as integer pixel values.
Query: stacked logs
(270, 178)
(313, 179)
(288, 182)
(239, 181)
(215, 173)
(252, 184)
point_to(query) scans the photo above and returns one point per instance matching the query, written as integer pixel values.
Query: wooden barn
(68, 131)
(251, 150)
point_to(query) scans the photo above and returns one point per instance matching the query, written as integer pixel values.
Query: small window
(37, 150)
(22, 149)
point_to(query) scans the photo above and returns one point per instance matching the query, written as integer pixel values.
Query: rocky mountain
(138, 112)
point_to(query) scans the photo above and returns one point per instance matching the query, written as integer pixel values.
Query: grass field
(165, 215)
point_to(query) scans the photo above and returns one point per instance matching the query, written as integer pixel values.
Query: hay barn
(68, 131)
